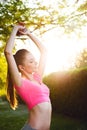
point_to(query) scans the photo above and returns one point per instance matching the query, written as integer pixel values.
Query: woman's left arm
(43, 53)
(42, 49)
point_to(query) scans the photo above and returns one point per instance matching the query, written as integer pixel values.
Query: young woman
(25, 76)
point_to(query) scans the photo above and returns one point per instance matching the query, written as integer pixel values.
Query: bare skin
(40, 115)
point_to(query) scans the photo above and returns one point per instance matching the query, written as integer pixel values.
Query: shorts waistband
(27, 127)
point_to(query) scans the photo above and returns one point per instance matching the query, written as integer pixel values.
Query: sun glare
(62, 50)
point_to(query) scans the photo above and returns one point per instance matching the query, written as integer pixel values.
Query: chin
(35, 70)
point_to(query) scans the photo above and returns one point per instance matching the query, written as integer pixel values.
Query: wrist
(28, 33)
(15, 28)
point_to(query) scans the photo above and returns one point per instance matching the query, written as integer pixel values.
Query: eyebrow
(31, 59)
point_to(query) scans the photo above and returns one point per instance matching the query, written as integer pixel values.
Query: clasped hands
(21, 29)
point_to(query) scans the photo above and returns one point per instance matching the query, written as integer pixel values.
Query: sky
(62, 49)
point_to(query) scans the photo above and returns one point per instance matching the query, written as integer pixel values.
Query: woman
(25, 76)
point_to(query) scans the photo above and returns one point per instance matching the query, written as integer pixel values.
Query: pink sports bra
(33, 93)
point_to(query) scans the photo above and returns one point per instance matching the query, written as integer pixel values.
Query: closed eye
(32, 61)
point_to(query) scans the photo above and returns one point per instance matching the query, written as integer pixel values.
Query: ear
(21, 67)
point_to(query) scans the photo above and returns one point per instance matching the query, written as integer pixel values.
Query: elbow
(6, 53)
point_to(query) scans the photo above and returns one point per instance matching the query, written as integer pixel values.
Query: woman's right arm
(16, 78)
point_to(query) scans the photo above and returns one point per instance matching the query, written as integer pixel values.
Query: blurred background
(61, 26)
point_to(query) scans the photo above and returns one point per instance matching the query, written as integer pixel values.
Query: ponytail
(11, 94)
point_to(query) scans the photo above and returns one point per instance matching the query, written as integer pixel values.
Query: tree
(10, 13)
(81, 61)
(2, 71)
(41, 17)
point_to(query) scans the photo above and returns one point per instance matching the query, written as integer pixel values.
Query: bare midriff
(40, 116)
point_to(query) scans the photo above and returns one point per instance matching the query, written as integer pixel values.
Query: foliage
(10, 13)
(83, 7)
(12, 120)
(69, 92)
(2, 71)
(42, 17)
(15, 120)
(81, 59)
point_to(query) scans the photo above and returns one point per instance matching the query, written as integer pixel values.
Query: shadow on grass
(14, 120)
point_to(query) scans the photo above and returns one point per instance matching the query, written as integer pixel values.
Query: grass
(14, 120)
(60, 122)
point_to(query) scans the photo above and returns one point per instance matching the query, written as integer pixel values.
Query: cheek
(29, 68)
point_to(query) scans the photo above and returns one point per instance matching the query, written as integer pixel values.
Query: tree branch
(72, 17)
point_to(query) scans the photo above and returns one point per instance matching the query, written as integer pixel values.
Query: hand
(22, 32)
(20, 28)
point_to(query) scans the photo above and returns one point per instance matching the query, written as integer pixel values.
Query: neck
(28, 76)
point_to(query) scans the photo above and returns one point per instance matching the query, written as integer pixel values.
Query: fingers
(22, 31)
(21, 23)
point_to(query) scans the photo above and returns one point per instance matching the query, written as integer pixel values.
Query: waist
(37, 101)
(42, 107)
(40, 116)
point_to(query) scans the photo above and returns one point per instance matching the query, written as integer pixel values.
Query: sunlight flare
(62, 49)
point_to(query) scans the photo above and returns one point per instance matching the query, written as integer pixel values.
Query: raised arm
(43, 53)
(42, 49)
(9, 56)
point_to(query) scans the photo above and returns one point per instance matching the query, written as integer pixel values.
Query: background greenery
(14, 120)
(69, 92)
(69, 88)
